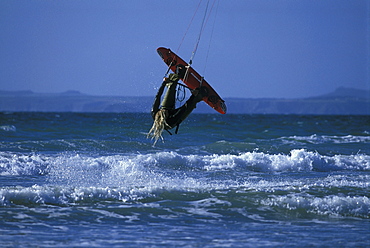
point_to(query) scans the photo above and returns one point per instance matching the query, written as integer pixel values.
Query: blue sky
(258, 48)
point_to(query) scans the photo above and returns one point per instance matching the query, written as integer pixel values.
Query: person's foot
(199, 93)
(204, 91)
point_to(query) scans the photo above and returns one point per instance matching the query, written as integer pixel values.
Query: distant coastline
(343, 101)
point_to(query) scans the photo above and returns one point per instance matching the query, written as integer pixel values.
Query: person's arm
(157, 99)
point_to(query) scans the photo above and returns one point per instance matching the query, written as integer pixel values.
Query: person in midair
(165, 115)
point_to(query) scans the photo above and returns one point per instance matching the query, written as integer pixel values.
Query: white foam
(62, 194)
(74, 179)
(294, 193)
(297, 160)
(23, 164)
(8, 128)
(357, 206)
(86, 168)
(331, 139)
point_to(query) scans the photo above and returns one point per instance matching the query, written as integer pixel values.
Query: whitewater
(95, 180)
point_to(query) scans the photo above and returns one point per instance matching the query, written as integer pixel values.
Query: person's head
(180, 70)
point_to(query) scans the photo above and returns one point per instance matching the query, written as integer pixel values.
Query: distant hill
(31, 93)
(70, 101)
(343, 92)
(343, 101)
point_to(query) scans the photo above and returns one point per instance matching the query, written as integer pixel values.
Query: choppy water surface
(225, 181)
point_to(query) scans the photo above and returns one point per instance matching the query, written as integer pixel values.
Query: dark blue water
(94, 180)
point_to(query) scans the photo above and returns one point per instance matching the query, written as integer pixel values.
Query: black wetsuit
(176, 115)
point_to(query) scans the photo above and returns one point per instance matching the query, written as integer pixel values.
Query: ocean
(95, 180)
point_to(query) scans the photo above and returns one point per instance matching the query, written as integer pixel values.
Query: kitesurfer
(164, 114)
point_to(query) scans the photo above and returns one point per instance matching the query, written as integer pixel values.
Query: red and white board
(193, 80)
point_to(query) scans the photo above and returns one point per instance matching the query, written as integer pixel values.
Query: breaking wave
(78, 179)
(297, 160)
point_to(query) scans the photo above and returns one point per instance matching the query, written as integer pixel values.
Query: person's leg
(184, 111)
(157, 100)
(169, 98)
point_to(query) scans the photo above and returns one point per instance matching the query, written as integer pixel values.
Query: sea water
(95, 180)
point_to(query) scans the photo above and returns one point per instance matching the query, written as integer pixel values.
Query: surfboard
(193, 80)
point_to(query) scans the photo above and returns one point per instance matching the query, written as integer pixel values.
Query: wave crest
(297, 160)
(69, 164)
